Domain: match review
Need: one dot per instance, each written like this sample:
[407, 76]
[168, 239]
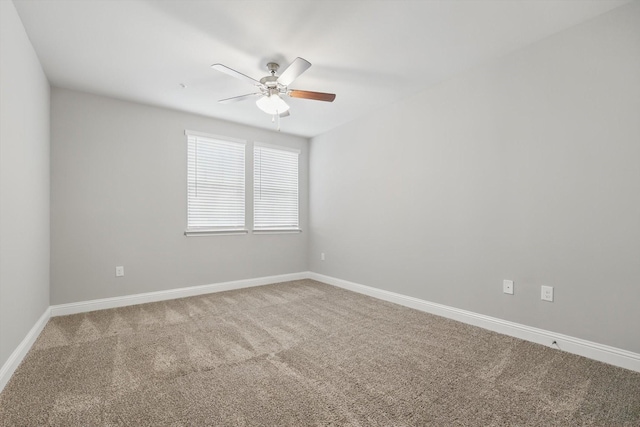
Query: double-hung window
[275, 188]
[215, 184]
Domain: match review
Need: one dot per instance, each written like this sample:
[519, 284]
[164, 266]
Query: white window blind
[215, 184]
[275, 189]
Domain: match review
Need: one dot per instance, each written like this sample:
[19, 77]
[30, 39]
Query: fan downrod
[271, 81]
[273, 67]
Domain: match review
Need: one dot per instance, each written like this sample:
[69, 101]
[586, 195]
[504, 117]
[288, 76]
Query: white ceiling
[370, 53]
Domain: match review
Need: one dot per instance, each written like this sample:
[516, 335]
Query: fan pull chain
[273, 119]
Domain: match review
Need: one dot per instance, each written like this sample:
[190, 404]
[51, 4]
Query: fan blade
[236, 74]
[238, 98]
[318, 96]
[285, 114]
[293, 71]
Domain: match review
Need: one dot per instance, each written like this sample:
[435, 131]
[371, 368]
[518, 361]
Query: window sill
[283, 231]
[202, 233]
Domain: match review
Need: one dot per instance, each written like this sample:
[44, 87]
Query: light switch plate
[507, 286]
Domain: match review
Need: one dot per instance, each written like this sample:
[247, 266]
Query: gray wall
[118, 197]
[527, 168]
[24, 184]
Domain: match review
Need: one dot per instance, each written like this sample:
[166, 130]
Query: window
[215, 184]
[275, 188]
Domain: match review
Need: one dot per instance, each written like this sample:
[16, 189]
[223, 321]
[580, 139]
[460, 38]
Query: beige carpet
[302, 354]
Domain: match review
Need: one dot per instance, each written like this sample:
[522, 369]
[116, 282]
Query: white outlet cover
[547, 293]
[119, 271]
[507, 287]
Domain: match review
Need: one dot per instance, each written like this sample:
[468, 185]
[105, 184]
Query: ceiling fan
[271, 88]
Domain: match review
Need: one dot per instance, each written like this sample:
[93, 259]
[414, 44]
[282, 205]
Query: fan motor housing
[269, 81]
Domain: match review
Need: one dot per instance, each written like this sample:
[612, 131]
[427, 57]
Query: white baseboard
[600, 352]
[23, 348]
[126, 300]
[592, 350]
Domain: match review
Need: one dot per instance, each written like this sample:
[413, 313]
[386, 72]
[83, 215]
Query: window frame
[216, 230]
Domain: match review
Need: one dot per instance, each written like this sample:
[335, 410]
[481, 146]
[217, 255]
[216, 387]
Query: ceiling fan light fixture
[272, 104]
[272, 87]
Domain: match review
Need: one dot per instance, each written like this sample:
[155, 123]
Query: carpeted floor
[302, 353]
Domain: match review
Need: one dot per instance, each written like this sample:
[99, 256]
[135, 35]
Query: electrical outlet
[322, 256]
[119, 271]
[507, 286]
[547, 293]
